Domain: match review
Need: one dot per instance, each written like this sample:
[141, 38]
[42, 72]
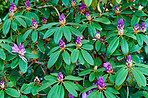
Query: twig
[43, 70]
[106, 6]
[42, 94]
[29, 65]
[127, 90]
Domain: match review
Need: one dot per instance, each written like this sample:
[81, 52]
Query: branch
[106, 6]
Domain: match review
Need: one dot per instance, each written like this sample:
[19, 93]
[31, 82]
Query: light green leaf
[6, 26]
[2, 54]
[12, 92]
[67, 33]
[124, 46]
[66, 57]
[88, 2]
[22, 66]
[58, 35]
[34, 36]
[70, 77]
[102, 20]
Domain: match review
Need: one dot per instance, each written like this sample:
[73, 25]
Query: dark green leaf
[74, 55]
[14, 25]
[98, 45]
[31, 55]
[25, 35]
[50, 31]
[124, 46]
[70, 77]
[67, 33]
[92, 77]
[66, 57]
[6, 26]
[22, 66]
[34, 36]
[102, 20]
[58, 35]
[87, 57]
[2, 54]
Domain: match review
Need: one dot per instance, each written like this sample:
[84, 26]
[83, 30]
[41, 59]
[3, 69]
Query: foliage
[75, 48]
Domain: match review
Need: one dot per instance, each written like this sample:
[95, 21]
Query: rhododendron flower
[97, 36]
[70, 95]
[129, 61]
[82, 8]
[19, 49]
[11, 12]
[143, 27]
[73, 3]
[13, 6]
[117, 9]
[60, 77]
[108, 67]
[100, 83]
[84, 95]
[2, 84]
[34, 24]
[61, 44]
[136, 28]
[28, 7]
[79, 42]
[62, 19]
[44, 20]
[88, 16]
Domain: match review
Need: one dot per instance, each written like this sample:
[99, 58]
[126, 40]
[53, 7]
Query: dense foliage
[74, 48]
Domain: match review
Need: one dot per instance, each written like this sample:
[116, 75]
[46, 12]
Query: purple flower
[2, 84]
[60, 77]
[13, 6]
[129, 61]
[34, 24]
[89, 92]
[120, 24]
[70, 95]
[94, 88]
[73, 3]
[143, 27]
[78, 42]
[11, 12]
[88, 16]
[100, 83]
[108, 67]
[62, 19]
[117, 9]
[61, 44]
[84, 95]
[28, 7]
[97, 36]
[136, 28]
[19, 49]
[44, 20]
[82, 8]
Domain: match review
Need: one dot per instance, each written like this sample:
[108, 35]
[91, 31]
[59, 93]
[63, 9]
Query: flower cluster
[61, 44]
[19, 49]
[100, 83]
[34, 24]
[120, 26]
[78, 42]
[28, 7]
[62, 19]
[129, 62]
[60, 77]
[108, 67]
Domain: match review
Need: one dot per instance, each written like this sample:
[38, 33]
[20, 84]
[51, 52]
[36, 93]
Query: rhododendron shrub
[74, 48]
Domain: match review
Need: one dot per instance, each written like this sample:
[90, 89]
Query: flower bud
[11, 12]
[143, 27]
[60, 77]
[28, 7]
[100, 83]
[129, 62]
[62, 19]
[79, 42]
[120, 24]
[136, 28]
[2, 84]
[95, 68]
[13, 6]
[97, 35]
[34, 24]
[73, 3]
[117, 10]
[88, 16]
[82, 8]
[61, 44]
[44, 20]
[108, 67]
[70, 95]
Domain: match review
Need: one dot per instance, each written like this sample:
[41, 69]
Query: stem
[106, 6]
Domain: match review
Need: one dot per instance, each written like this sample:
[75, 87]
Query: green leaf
[2, 55]
[12, 92]
[118, 1]
[87, 71]
[89, 88]
[139, 39]
[55, 2]
[143, 70]
[6, 26]
[19, 39]
[102, 20]
[145, 38]
[88, 2]
[34, 90]
[112, 90]
[70, 88]
[74, 55]
[53, 59]
[139, 77]
[121, 76]
[81, 60]
[92, 77]
[31, 55]
[66, 57]
[65, 2]
[135, 48]
[145, 94]
[41, 46]
[60, 92]
[25, 35]
[2, 94]
[140, 13]
[47, 84]
[134, 20]
[49, 32]
[87, 47]
[98, 45]
[1, 65]
[22, 66]
[48, 25]
[109, 94]
[75, 31]
[6, 47]
[69, 69]
[53, 92]
[130, 35]
[87, 57]
[124, 46]
[112, 46]
[74, 78]
[67, 33]
[14, 63]
[94, 94]
[14, 25]
[58, 35]
[21, 21]
[91, 30]
[34, 36]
